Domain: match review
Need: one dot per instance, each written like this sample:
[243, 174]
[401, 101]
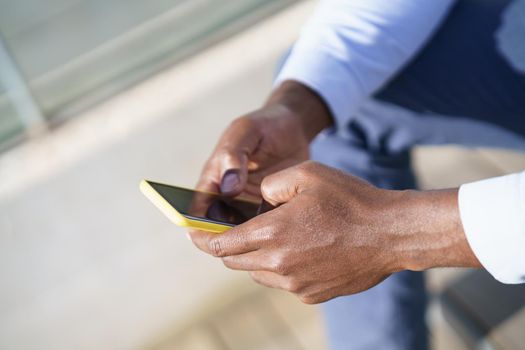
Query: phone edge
[173, 215]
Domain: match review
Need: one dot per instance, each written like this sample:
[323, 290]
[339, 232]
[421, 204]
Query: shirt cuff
[328, 76]
[493, 216]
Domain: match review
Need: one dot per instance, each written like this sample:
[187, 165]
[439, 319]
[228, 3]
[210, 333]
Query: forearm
[304, 104]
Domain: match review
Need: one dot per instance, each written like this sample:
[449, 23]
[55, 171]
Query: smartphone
[199, 210]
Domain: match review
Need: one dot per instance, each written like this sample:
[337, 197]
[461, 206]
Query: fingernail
[188, 237]
[230, 180]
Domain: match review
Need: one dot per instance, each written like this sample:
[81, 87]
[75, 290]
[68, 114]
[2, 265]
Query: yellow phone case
[176, 217]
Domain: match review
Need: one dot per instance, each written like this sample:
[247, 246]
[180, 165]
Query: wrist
[304, 104]
[433, 235]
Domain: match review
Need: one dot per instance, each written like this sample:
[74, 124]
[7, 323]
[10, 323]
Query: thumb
[234, 170]
[234, 149]
[283, 186]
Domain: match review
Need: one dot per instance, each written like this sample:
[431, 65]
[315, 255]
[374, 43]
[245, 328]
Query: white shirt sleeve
[493, 216]
[350, 48]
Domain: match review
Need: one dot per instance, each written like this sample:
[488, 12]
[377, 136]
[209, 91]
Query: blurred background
[96, 95]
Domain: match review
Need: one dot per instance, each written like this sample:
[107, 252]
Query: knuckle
[304, 170]
[310, 164]
[214, 247]
[282, 269]
[226, 154]
[293, 286]
[279, 265]
[270, 234]
[245, 122]
[273, 266]
[272, 230]
[308, 169]
[308, 299]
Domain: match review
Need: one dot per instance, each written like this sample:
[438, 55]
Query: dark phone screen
[206, 206]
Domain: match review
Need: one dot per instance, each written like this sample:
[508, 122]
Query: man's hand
[265, 141]
[333, 234]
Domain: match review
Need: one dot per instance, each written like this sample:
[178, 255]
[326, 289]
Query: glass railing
[74, 53]
[11, 126]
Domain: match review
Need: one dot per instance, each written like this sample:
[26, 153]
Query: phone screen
[207, 207]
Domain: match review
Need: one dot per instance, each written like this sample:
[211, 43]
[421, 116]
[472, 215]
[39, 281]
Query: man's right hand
[265, 141]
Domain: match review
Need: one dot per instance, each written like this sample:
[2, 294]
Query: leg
[392, 314]
[388, 316]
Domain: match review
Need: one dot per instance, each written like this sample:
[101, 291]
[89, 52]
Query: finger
[200, 239]
[274, 280]
[235, 241]
[257, 176]
[253, 261]
[232, 152]
[235, 147]
[284, 185]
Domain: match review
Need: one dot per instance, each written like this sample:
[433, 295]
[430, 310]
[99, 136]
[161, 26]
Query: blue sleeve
[350, 48]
